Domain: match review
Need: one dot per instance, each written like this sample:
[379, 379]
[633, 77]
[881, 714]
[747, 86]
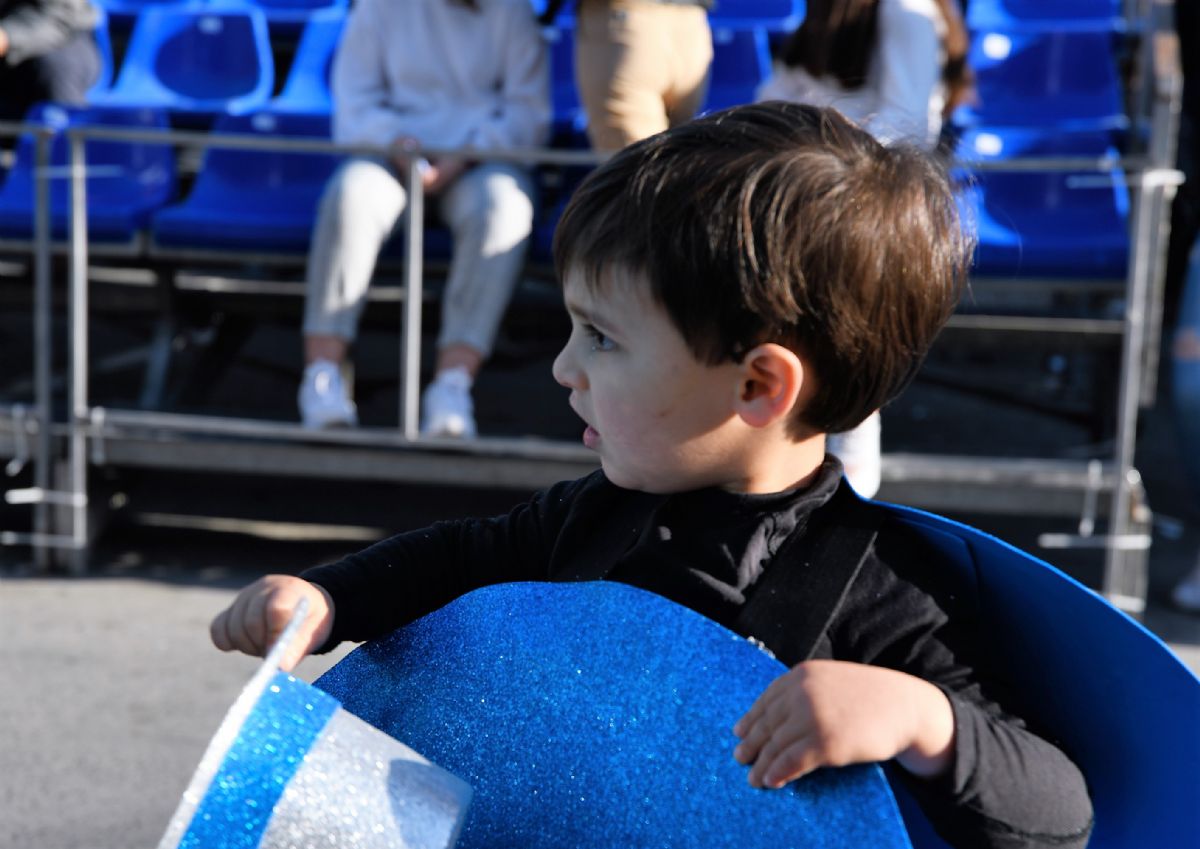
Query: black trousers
[63, 75]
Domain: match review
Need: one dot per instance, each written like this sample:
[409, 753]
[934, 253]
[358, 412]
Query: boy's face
[661, 420]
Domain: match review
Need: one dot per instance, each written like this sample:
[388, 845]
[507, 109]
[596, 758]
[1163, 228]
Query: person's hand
[442, 172]
[262, 610]
[832, 713]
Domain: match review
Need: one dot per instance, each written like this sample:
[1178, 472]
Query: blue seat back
[598, 714]
[1045, 15]
[104, 48]
[772, 15]
[307, 87]
[1061, 80]
[126, 179]
[741, 61]
[1058, 223]
[266, 180]
[1120, 702]
[197, 58]
[569, 119]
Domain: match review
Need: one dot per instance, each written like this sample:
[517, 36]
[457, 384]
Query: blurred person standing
[641, 66]
[47, 53]
[898, 69]
[436, 74]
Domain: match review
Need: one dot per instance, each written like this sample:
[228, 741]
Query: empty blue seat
[569, 122]
[1045, 15]
[104, 48]
[124, 12]
[772, 15]
[1059, 224]
[197, 61]
[261, 201]
[292, 16]
[1064, 81]
[307, 87]
[741, 61]
[126, 181]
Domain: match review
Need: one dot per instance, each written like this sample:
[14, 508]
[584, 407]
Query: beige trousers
[640, 67]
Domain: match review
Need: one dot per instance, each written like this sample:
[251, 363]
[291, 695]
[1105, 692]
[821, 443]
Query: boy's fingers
[797, 759]
[218, 630]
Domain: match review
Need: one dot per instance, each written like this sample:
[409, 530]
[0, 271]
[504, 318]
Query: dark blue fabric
[598, 714]
[1120, 703]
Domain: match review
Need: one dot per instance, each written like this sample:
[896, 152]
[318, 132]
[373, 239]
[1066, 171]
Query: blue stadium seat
[741, 61]
[779, 16]
[1057, 81]
[197, 61]
[123, 13]
[290, 17]
[126, 181]
[258, 201]
[307, 87]
[569, 120]
[1045, 15]
[104, 47]
[1057, 224]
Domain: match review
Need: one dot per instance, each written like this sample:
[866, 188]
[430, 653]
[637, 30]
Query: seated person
[48, 52]
[726, 281]
[438, 74]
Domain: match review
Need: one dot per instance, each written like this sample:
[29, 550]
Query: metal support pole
[43, 350]
[410, 352]
[79, 419]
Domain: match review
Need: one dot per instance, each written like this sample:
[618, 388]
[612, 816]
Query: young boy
[738, 287]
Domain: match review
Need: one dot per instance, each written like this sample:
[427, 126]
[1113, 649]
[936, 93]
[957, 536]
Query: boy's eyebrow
[582, 312]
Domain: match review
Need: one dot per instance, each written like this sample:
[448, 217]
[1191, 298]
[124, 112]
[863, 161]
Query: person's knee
[498, 201]
[362, 190]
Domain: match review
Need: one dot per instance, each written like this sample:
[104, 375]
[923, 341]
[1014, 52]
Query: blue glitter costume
[707, 550]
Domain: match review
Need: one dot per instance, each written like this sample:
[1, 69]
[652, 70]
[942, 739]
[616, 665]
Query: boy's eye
[600, 342]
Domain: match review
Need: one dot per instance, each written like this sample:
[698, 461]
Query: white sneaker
[446, 407]
[861, 456]
[324, 398]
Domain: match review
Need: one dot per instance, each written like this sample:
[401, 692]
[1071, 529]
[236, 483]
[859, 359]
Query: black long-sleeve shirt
[706, 550]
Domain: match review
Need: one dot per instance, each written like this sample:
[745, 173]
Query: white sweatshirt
[443, 74]
[903, 95]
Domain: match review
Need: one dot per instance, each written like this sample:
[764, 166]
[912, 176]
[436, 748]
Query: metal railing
[94, 435]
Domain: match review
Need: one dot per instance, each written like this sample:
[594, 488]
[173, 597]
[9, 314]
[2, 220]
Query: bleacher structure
[207, 146]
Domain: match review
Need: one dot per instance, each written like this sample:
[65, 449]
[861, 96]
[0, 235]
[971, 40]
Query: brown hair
[837, 39]
[781, 222]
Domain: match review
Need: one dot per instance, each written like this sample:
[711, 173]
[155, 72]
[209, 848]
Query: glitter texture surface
[265, 755]
[597, 714]
[360, 789]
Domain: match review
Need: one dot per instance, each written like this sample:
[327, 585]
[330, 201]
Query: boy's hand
[262, 610]
[832, 713]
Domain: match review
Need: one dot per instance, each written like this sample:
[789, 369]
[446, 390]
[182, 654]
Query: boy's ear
[770, 383]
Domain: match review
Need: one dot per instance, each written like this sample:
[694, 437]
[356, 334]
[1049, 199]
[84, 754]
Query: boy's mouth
[591, 437]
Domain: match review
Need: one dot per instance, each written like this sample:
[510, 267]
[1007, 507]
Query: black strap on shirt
[795, 600]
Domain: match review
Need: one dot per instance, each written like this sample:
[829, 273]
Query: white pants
[489, 211]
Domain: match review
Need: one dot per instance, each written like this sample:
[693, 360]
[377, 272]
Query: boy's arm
[410, 574]
[399, 579]
[1006, 786]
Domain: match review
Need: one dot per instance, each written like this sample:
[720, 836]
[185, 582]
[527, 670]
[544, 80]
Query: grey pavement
[110, 690]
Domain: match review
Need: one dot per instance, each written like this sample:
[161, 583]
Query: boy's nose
[565, 371]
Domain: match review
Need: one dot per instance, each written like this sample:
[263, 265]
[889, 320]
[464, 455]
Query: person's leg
[490, 212]
[622, 70]
[358, 211]
[65, 74]
[687, 31]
